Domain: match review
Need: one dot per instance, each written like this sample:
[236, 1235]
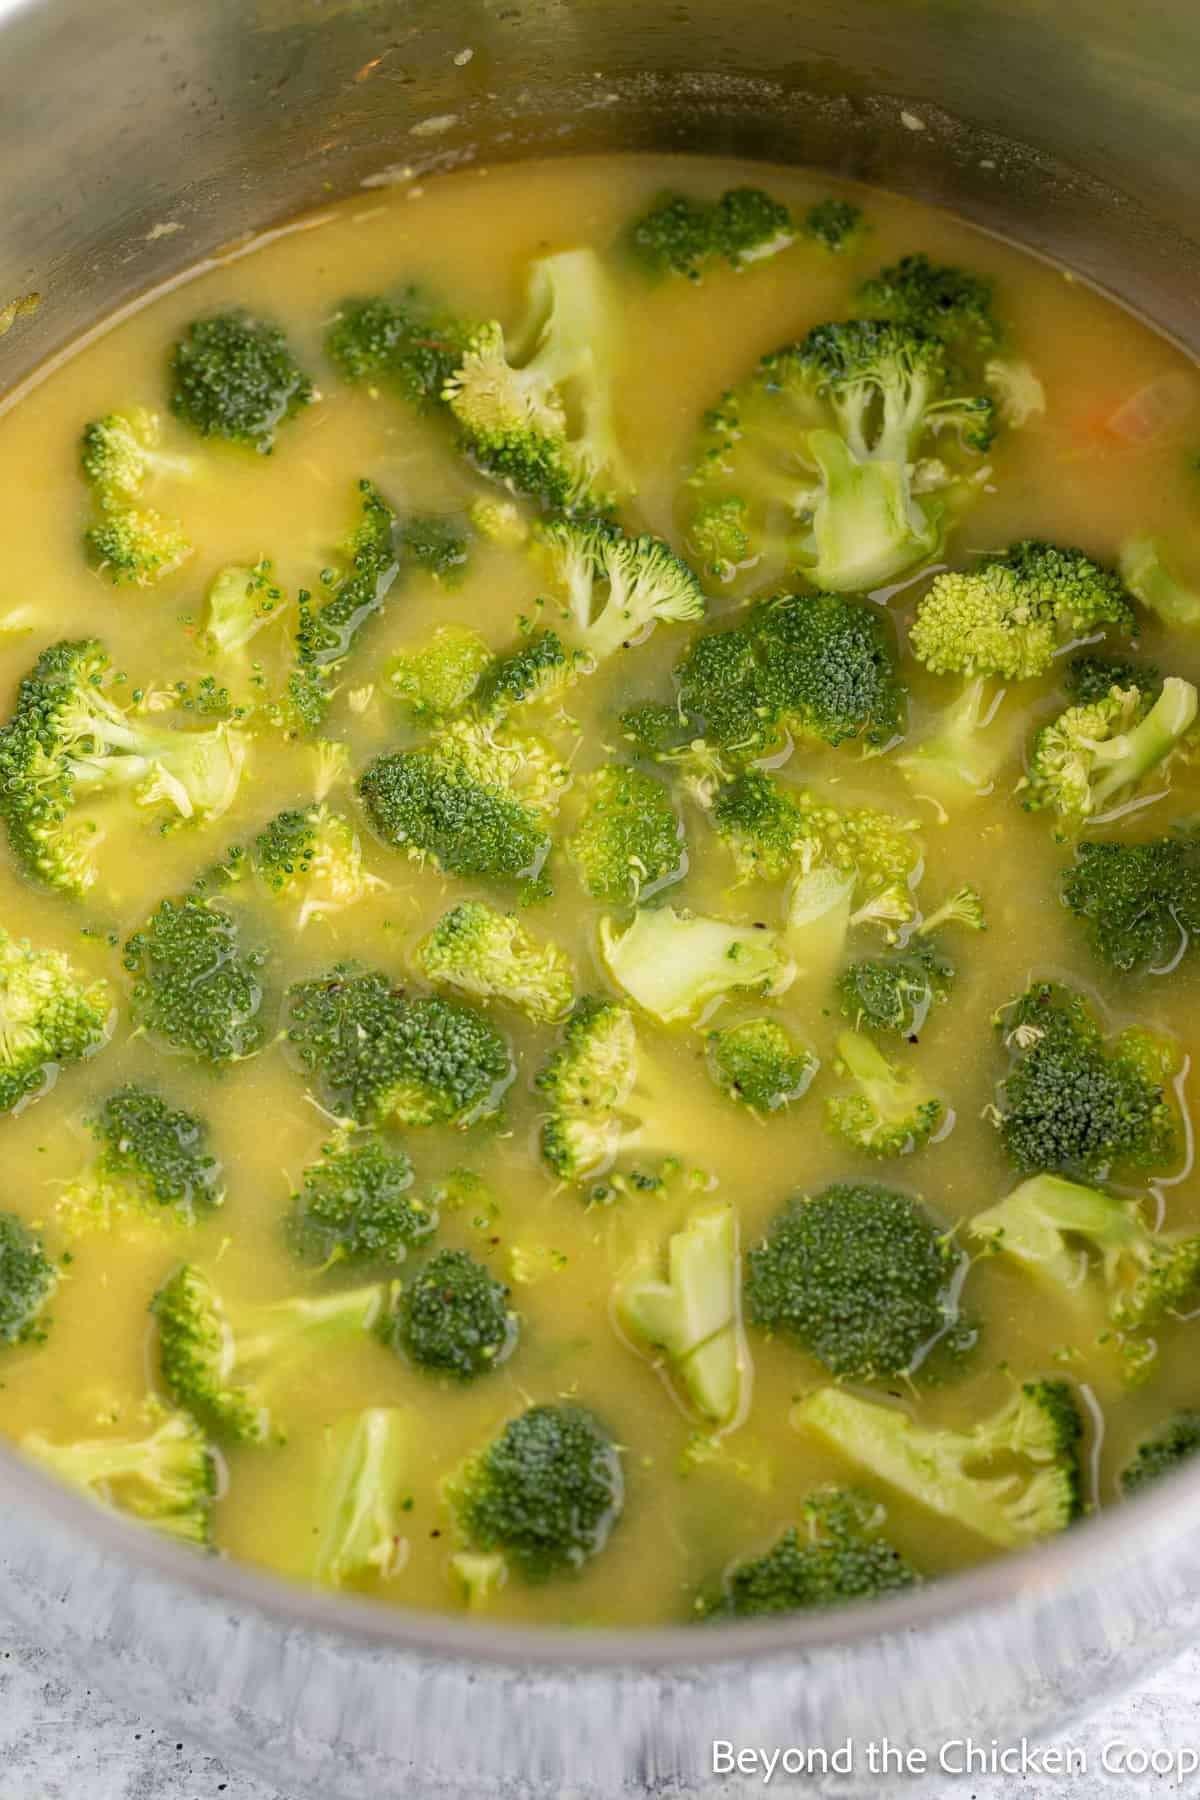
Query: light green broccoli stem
[958, 758]
[360, 1506]
[673, 963]
[478, 1576]
[693, 1316]
[1151, 581]
[166, 1479]
[867, 528]
[963, 907]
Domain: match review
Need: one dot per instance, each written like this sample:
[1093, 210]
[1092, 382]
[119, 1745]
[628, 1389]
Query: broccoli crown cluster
[1073, 1103]
[821, 667]
[128, 539]
[681, 236]
[888, 1111]
[941, 300]
[1137, 903]
[837, 1554]
[1096, 754]
[356, 1205]
[546, 1493]
[837, 225]
[408, 344]
[382, 1055]
[760, 1064]
[895, 994]
[627, 843]
[194, 983]
[27, 1280]
[453, 1318]
[235, 377]
[862, 1278]
[50, 1018]
[152, 1155]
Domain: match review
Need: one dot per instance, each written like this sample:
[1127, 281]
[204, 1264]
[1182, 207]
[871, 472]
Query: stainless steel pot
[1072, 124]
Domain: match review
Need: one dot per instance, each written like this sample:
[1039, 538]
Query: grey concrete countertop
[61, 1740]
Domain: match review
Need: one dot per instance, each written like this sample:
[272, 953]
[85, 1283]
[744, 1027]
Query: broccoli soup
[597, 895]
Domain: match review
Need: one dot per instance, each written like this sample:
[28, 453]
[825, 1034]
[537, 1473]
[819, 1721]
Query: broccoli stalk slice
[957, 759]
[220, 1363]
[673, 964]
[891, 1112]
[1146, 1274]
[48, 1019]
[166, 1479]
[360, 1501]
[1032, 1443]
[1150, 579]
[491, 955]
[692, 1315]
[867, 527]
[478, 1577]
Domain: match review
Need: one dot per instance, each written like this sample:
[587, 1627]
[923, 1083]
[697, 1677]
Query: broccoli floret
[490, 954]
[1146, 1273]
[628, 842]
[453, 1318]
[27, 1280]
[837, 1554]
[1011, 614]
[383, 1056]
[436, 679]
[890, 1111]
[357, 1206]
[313, 859]
[194, 983]
[681, 236]
[895, 994]
[1175, 1442]
[472, 799]
[68, 744]
[760, 1064]
[546, 1493]
[435, 544]
[1139, 904]
[692, 1315]
[946, 302]
[957, 756]
[540, 668]
[234, 377]
[820, 668]
[1012, 1479]
[410, 344]
[673, 963]
[1093, 756]
[651, 728]
[1089, 677]
[240, 601]
[825, 448]
[219, 1362]
[587, 1082]
[48, 1018]
[167, 1479]
[864, 1279]
[616, 588]
[534, 405]
[1150, 579]
[477, 1578]
[152, 1157]
[1018, 390]
[361, 1498]
[837, 225]
[1074, 1104]
[129, 540]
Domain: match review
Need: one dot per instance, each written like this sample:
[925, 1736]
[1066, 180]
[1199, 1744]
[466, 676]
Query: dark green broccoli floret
[652, 727]
[453, 1318]
[1012, 1479]
[408, 344]
[233, 376]
[1146, 1273]
[895, 994]
[167, 1479]
[490, 954]
[1075, 1104]
[472, 801]
[538, 669]
[821, 668]
[1011, 614]
[615, 587]
[27, 1280]
[434, 543]
[534, 405]
[48, 1017]
[194, 982]
[363, 1500]
[219, 1362]
[836, 225]
[946, 302]
[837, 1554]
[313, 859]
[760, 1064]
[382, 1055]
[1088, 677]
[864, 1279]
[628, 841]
[546, 1492]
[69, 744]
[1095, 754]
[682, 235]
[356, 1205]
[1139, 904]
[1175, 1442]
[151, 1156]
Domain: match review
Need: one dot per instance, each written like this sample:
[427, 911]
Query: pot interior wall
[137, 140]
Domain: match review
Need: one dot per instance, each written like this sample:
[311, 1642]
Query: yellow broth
[470, 238]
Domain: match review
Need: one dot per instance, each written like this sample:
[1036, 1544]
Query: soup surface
[1097, 428]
